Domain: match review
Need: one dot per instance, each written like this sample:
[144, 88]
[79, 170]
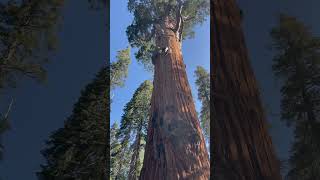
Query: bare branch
[9, 109]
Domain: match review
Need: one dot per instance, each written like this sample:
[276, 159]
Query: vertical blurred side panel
[242, 148]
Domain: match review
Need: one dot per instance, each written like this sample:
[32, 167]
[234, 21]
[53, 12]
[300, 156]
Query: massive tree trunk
[175, 146]
[242, 148]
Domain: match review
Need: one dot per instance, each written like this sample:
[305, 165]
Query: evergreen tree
[119, 68]
[297, 64]
[133, 131]
[115, 147]
[78, 150]
[27, 30]
[203, 83]
[175, 147]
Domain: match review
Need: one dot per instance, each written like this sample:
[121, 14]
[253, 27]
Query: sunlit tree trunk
[242, 148]
[175, 147]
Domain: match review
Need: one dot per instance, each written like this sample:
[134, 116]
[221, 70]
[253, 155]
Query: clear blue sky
[195, 52]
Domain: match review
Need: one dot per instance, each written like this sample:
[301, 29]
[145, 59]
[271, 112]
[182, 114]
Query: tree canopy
[78, 150]
[203, 84]
[119, 68]
[297, 64]
[27, 34]
[150, 13]
[132, 134]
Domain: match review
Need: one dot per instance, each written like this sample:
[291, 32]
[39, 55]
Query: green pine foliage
[149, 13]
[119, 68]
[115, 147]
[129, 142]
[27, 35]
[297, 65]
[203, 84]
[78, 150]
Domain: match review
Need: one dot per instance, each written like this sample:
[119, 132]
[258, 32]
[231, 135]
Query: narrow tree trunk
[175, 146]
[122, 160]
[242, 147]
[135, 156]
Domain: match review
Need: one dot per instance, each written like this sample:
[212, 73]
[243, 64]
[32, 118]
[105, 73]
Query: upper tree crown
[183, 15]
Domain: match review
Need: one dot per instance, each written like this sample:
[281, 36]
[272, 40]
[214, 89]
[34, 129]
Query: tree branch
[188, 18]
[179, 21]
[178, 16]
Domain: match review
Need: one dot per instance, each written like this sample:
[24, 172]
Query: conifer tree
[175, 146]
[203, 83]
[27, 30]
[115, 148]
[133, 131]
[297, 64]
[119, 68]
[78, 150]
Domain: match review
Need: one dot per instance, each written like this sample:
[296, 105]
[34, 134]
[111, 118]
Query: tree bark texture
[175, 147]
[242, 148]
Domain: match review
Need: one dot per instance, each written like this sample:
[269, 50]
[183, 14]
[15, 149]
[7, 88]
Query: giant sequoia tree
[297, 64]
[175, 147]
[242, 147]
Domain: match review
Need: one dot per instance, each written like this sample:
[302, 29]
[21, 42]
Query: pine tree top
[150, 13]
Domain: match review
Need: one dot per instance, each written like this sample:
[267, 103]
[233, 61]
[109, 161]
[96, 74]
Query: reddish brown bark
[242, 148]
[175, 146]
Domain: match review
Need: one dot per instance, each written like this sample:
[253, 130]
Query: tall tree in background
[175, 146]
[27, 31]
[297, 64]
[242, 147]
[203, 83]
[118, 74]
[78, 150]
[115, 148]
[119, 68]
[27, 35]
[133, 129]
[139, 108]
